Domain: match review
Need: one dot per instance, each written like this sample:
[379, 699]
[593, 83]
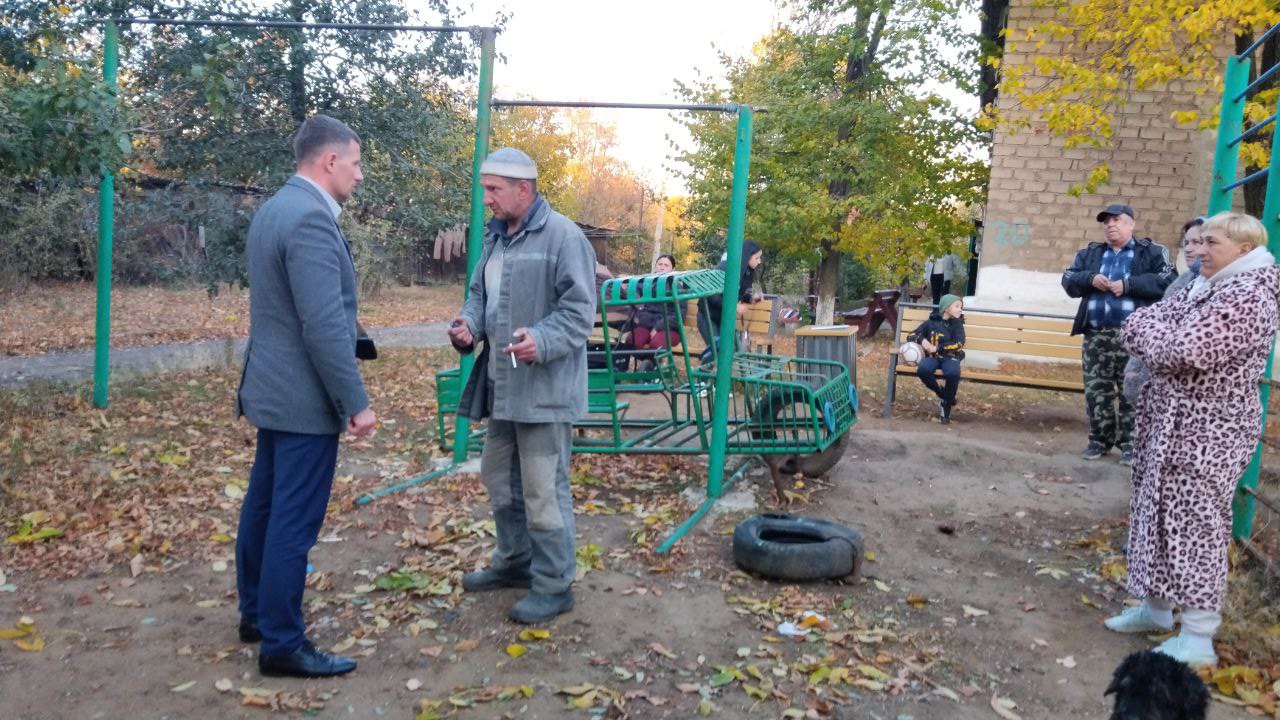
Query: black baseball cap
[1116, 209]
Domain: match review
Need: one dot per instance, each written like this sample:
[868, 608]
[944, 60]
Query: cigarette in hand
[513, 360]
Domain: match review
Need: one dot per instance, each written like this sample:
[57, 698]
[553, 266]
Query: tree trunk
[828, 281]
[857, 65]
[995, 16]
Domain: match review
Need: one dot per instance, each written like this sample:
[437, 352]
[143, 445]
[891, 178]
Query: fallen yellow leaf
[35, 643]
[515, 650]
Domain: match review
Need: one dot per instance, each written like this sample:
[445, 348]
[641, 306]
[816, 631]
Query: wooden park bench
[1032, 335]
[761, 325]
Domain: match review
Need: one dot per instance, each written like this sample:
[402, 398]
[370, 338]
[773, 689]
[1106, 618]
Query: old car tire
[815, 465]
[811, 465]
[790, 547]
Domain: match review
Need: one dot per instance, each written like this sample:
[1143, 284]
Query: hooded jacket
[745, 279]
[947, 335]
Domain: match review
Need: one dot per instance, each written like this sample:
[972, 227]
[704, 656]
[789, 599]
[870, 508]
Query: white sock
[1200, 623]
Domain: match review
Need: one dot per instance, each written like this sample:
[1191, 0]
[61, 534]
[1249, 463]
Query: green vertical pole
[729, 308]
[475, 234]
[1230, 125]
[1242, 508]
[106, 213]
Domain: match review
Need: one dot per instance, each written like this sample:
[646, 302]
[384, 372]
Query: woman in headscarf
[1198, 424]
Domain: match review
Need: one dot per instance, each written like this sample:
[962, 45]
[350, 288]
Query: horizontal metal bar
[727, 108]
[295, 24]
[1247, 133]
[1261, 79]
[1258, 43]
[1051, 316]
[1246, 180]
[418, 480]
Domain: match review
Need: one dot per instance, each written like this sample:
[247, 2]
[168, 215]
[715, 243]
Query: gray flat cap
[509, 163]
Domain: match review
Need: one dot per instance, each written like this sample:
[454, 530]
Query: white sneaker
[1136, 620]
[1194, 650]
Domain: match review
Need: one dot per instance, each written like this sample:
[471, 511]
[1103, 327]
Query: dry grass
[50, 317]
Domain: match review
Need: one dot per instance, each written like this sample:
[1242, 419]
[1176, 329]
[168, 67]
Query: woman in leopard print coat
[1198, 423]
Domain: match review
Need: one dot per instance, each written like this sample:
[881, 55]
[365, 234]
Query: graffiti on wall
[1017, 232]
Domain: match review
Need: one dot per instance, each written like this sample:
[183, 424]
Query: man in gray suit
[532, 305]
[301, 388]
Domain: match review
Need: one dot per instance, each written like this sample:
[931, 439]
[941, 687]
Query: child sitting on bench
[942, 337]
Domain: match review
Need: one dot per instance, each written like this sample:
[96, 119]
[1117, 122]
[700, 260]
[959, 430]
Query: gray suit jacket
[300, 371]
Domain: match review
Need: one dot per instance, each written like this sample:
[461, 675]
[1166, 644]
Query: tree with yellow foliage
[1105, 50]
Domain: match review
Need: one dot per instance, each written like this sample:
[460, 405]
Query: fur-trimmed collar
[1255, 259]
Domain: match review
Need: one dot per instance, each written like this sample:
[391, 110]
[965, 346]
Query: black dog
[1153, 686]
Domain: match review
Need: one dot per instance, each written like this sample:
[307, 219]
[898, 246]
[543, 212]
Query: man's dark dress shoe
[305, 662]
[249, 632]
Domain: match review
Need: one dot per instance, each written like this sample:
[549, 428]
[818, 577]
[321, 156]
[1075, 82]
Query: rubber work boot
[1138, 620]
[539, 607]
[494, 579]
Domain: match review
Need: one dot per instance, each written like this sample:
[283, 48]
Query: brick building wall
[1033, 227]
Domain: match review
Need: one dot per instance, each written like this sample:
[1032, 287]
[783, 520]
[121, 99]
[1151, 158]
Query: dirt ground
[989, 544]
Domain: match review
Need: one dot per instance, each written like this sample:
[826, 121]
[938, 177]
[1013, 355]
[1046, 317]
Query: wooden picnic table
[882, 307]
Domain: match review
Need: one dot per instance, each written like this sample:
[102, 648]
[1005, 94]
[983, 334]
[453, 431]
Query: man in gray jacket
[532, 304]
[301, 388]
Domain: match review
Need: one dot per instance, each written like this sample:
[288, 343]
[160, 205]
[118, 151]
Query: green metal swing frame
[1231, 135]
[820, 403]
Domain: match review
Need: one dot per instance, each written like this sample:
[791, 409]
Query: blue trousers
[950, 372]
[279, 523]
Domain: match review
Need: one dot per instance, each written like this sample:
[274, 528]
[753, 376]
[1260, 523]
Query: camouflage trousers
[1110, 414]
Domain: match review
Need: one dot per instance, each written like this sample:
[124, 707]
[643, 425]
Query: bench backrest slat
[1009, 334]
[1016, 348]
[760, 318]
[1039, 337]
[1017, 322]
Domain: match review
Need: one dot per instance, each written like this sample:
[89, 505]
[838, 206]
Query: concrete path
[70, 367]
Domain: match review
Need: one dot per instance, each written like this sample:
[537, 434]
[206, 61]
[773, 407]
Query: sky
[612, 51]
